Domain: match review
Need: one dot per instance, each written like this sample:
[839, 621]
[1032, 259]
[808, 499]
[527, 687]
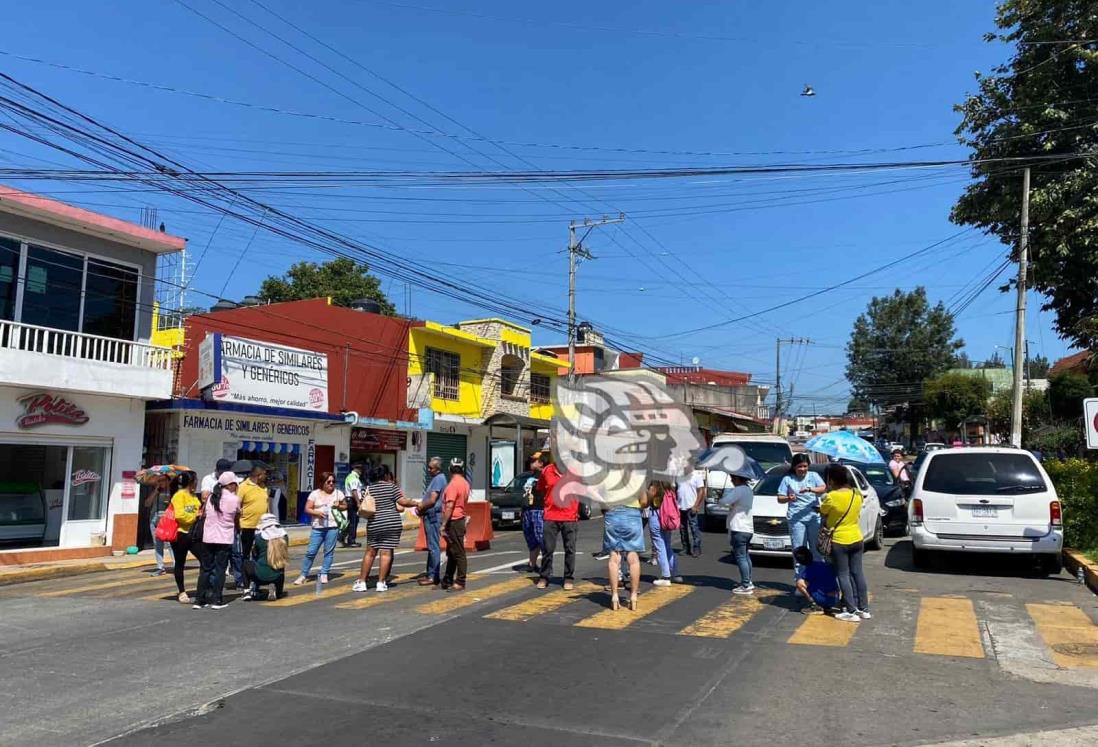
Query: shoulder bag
[368, 507]
[167, 528]
[826, 535]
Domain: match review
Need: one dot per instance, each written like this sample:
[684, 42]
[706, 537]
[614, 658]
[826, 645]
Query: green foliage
[962, 361]
[1038, 367]
[342, 279]
[995, 361]
[1066, 392]
[857, 405]
[956, 397]
[899, 342]
[1049, 439]
[1035, 412]
[1076, 482]
[1041, 103]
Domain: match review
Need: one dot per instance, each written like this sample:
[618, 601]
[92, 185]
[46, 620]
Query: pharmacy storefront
[67, 460]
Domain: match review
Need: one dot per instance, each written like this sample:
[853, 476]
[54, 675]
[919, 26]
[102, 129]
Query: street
[974, 648]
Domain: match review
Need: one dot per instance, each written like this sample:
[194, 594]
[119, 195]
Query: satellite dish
[695, 360]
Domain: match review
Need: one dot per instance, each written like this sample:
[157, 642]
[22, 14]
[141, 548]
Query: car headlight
[896, 503]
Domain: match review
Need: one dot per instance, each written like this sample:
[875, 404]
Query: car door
[870, 503]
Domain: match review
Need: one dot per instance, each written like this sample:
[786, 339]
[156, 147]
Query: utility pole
[576, 251]
[778, 377]
[1020, 318]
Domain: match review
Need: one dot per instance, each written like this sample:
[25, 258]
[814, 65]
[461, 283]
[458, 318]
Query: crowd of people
[227, 526]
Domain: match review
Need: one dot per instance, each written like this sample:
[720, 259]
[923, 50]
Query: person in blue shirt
[816, 582]
[800, 490]
[430, 511]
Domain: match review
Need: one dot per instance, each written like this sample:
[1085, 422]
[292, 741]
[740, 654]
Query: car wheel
[1052, 565]
[921, 558]
[877, 541]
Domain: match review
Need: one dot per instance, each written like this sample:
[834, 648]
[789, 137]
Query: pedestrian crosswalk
[958, 626]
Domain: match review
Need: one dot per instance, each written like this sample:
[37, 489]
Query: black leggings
[848, 567]
[180, 548]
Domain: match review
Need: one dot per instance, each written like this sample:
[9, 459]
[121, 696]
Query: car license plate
[985, 512]
[508, 515]
[773, 544]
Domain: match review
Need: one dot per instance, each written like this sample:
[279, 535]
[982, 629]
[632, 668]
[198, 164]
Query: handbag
[167, 529]
[368, 507]
[826, 536]
[339, 516]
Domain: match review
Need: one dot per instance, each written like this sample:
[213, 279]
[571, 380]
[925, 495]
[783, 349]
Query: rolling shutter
[446, 446]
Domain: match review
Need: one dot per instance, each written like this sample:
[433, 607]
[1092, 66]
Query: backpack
[669, 512]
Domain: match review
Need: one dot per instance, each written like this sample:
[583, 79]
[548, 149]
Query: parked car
[508, 501]
[772, 530]
[765, 448]
[934, 446]
[986, 500]
[889, 493]
[22, 512]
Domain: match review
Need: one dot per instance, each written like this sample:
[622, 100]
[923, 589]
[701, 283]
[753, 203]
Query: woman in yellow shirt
[186, 506]
[840, 510]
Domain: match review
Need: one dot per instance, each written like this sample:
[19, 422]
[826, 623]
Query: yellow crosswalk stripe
[546, 602]
[1068, 632]
[405, 591]
[117, 583]
[647, 603]
[457, 601]
[823, 630]
[948, 627]
[306, 594]
[729, 617]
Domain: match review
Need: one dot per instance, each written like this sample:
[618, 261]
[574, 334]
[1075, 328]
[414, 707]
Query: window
[9, 270]
[540, 385]
[983, 474]
[88, 482]
[446, 367]
[110, 300]
[51, 293]
[510, 376]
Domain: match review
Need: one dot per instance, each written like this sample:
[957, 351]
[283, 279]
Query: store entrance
[32, 494]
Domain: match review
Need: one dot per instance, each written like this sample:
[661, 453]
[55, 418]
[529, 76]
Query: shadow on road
[899, 558]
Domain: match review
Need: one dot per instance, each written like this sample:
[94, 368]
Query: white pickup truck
[765, 448]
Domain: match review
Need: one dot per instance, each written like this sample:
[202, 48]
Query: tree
[962, 361]
[955, 397]
[1041, 103]
[995, 361]
[857, 406]
[897, 344]
[1035, 412]
[1066, 392]
[1038, 367]
[344, 280]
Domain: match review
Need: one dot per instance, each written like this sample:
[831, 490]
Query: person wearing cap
[533, 513]
[452, 526]
[561, 519]
[352, 490]
[267, 565]
[222, 514]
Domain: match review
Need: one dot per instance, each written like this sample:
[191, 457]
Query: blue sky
[622, 79]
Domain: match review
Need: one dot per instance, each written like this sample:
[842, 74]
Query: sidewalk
[16, 574]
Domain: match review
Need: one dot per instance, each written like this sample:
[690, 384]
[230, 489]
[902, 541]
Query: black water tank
[224, 305]
[366, 304]
[581, 331]
[251, 301]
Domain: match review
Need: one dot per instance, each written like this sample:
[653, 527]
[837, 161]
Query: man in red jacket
[559, 520]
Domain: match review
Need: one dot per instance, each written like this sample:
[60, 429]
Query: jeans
[180, 548]
[434, 553]
[690, 532]
[317, 537]
[456, 564]
[661, 546]
[802, 533]
[847, 560]
[740, 541]
[158, 545]
[236, 562]
[211, 580]
[569, 530]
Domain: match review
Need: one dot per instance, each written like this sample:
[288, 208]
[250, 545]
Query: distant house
[1002, 379]
[1074, 363]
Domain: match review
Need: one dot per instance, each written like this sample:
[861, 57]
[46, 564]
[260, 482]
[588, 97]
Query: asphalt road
[971, 649]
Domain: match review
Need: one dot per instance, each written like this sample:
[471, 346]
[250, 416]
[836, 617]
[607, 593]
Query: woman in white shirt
[739, 500]
[325, 531]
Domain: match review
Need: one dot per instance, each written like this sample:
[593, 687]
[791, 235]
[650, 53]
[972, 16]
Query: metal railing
[65, 344]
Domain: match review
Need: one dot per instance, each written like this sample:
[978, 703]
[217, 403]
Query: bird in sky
[808, 91]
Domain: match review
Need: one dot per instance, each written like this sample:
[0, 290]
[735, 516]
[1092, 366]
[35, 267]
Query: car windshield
[767, 454]
[879, 475]
[517, 484]
[769, 484]
[983, 474]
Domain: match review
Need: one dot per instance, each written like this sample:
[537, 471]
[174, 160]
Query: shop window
[88, 482]
[446, 367]
[510, 376]
[540, 385]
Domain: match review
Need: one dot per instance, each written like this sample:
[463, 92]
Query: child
[816, 582]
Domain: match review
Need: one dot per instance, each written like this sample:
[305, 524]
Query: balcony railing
[64, 344]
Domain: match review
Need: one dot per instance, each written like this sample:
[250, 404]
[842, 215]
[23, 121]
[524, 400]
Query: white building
[76, 368]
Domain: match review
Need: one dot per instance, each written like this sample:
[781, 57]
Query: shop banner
[248, 427]
[375, 439]
[236, 369]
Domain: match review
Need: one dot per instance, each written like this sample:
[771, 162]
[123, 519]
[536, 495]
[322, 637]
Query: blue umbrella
[730, 459]
[845, 445]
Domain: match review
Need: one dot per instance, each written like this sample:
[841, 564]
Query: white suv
[989, 500]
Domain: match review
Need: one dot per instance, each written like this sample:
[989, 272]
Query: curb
[1073, 560]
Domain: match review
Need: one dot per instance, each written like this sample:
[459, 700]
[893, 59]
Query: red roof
[698, 375]
[1075, 362]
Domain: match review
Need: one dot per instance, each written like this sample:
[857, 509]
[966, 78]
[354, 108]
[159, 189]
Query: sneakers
[359, 586]
[197, 606]
[300, 581]
[846, 616]
[662, 582]
[812, 609]
[272, 595]
[218, 606]
[601, 556]
[654, 561]
[381, 586]
[744, 589]
[247, 596]
[158, 572]
[678, 579]
[864, 614]
[323, 578]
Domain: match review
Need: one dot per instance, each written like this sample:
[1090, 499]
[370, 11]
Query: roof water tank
[366, 304]
[224, 305]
